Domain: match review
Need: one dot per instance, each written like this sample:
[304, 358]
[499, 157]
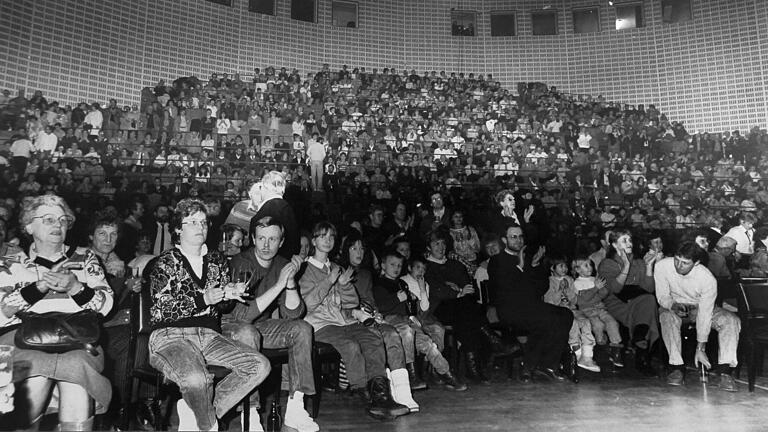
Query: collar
[33, 252]
[435, 260]
[315, 262]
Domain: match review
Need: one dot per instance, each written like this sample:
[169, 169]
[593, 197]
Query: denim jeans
[296, 335]
[581, 331]
[361, 349]
[726, 323]
[182, 355]
[418, 340]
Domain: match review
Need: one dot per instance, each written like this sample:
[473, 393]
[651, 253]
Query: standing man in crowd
[686, 292]
[316, 154]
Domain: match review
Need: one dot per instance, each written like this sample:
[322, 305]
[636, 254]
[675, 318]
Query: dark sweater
[385, 292]
[264, 279]
[438, 274]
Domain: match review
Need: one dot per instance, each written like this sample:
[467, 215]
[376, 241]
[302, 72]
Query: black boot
[498, 346]
[474, 369]
[416, 382]
[450, 382]
[571, 366]
[382, 405]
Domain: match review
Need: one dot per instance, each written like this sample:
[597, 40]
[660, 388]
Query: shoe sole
[591, 369]
[456, 389]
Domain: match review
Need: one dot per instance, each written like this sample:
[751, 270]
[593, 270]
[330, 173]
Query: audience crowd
[369, 210]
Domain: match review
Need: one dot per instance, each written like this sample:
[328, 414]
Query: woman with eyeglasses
[189, 286]
[54, 277]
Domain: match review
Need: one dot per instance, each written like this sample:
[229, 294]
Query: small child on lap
[562, 293]
[590, 292]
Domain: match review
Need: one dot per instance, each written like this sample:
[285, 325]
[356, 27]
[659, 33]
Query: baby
[561, 293]
[590, 292]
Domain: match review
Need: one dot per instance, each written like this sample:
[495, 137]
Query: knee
[728, 320]
[247, 335]
[193, 379]
[301, 330]
[667, 318]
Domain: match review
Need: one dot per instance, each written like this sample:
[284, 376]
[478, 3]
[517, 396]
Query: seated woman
[453, 302]
[187, 283]
[54, 278]
[631, 300]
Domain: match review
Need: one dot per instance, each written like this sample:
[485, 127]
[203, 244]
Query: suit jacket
[429, 222]
[516, 293]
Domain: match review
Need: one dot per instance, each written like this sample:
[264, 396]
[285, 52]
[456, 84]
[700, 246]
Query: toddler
[562, 293]
[590, 292]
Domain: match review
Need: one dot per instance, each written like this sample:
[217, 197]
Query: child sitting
[561, 293]
[590, 292]
[394, 301]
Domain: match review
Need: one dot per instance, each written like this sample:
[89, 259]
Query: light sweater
[697, 288]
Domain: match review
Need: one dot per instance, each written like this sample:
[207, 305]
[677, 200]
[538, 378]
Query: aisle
[622, 403]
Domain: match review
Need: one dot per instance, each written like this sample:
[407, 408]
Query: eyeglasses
[50, 220]
[202, 223]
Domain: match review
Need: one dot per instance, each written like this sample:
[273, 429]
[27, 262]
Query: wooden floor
[600, 402]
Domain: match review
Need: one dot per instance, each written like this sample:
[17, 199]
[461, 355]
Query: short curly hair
[29, 207]
[184, 208]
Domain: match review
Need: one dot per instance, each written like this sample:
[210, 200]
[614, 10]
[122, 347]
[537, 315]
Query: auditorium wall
[707, 72]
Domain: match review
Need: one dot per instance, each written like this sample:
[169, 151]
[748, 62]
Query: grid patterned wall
[708, 72]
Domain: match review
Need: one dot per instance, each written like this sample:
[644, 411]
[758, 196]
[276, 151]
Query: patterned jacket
[19, 275]
[177, 293]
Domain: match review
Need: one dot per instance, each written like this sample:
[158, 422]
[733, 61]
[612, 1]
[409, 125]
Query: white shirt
[743, 239]
[698, 288]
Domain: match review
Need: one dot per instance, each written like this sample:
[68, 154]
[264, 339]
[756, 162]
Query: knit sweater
[177, 293]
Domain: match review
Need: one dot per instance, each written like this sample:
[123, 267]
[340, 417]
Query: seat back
[753, 297]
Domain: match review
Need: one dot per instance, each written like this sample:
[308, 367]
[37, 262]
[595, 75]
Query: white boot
[296, 417]
[254, 421]
[401, 389]
[585, 359]
[187, 418]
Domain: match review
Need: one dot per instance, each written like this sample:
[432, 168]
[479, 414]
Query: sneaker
[588, 363]
[676, 377]
[727, 383]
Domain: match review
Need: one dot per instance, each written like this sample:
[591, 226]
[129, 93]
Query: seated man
[517, 286]
[326, 290]
[186, 283]
[272, 278]
[686, 292]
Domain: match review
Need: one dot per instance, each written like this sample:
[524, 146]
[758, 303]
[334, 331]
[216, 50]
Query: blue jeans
[296, 335]
[182, 355]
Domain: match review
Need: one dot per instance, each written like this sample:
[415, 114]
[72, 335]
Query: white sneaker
[296, 417]
[187, 419]
[254, 421]
[588, 363]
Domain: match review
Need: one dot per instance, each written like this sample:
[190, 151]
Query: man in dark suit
[517, 286]
[157, 230]
[273, 188]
